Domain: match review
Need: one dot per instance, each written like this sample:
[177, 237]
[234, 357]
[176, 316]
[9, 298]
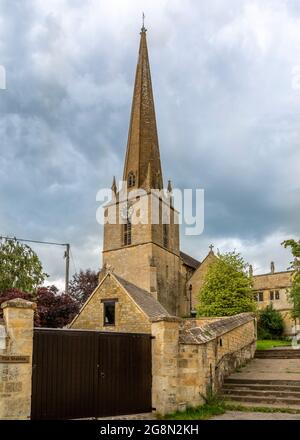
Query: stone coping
[19, 303]
[207, 332]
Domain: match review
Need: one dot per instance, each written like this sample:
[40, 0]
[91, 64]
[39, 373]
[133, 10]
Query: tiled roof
[190, 334]
[189, 261]
[150, 306]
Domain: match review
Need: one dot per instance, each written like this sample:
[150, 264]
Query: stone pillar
[165, 352]
[16, 360]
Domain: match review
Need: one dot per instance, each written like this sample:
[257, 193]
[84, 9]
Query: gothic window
[165, 236]
[127, 233]
[131, 179]
[109, 311]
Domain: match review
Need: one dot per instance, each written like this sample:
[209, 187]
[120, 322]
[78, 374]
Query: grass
[266, 344]
[203, 412]
[208, 411]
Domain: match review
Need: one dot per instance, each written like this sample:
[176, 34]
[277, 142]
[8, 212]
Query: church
[144, 274]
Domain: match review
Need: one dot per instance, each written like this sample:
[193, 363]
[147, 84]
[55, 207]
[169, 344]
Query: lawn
[203, 412]
[267, 344]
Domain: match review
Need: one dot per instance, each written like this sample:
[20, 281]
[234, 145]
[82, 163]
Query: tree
[294, 294]
[270, 323]
[83, 284]
[227, 288]
[54, 309]
[20, 267]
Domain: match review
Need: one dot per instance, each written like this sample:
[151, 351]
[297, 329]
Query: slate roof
[190, 334]
[150, 306]
[189, 261]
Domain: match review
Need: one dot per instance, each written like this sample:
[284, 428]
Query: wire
[32, 241]
[72, 258]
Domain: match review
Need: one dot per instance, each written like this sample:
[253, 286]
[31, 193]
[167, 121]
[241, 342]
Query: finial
[211, 247]
[272, 267]
[143, 21]
[170, 189]
[114, 185]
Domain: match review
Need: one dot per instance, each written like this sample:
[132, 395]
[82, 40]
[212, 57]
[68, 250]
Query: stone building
[273, 288]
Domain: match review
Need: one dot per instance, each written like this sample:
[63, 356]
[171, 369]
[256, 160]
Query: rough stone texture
[198, 277]
[134, 308]
[15, 379]
[185, 369]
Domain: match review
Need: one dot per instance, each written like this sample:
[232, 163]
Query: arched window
[131, 179]
[127, 233]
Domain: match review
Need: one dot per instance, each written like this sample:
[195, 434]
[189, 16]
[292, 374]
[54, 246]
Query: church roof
[142, 155]
[144, 299]
[189, 261]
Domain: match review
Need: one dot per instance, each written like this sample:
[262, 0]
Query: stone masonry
[16, 360]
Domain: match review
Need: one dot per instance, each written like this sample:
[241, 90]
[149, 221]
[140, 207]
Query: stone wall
[190, 359]
[16, 360]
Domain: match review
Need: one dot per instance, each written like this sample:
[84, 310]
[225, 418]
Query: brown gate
[82, 374]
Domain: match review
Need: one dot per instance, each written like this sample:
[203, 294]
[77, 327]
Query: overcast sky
[227, 100]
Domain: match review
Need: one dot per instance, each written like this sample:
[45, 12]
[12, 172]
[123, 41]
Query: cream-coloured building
[273, 288]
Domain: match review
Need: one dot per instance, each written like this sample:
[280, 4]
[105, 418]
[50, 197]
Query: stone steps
[262, 392]
[277, 354]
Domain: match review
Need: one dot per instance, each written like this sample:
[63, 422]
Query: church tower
[145, 253]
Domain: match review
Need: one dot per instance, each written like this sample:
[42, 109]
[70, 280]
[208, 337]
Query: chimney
[251, 270]
[272, 267]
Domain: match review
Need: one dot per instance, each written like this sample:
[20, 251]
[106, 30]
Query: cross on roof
[211, 247]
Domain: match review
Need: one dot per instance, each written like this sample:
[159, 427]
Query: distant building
[273, 288]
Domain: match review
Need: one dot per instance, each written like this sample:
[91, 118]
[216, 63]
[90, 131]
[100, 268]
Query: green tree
[294, 294]
[270, 323]
[227, 288]
[20, 267]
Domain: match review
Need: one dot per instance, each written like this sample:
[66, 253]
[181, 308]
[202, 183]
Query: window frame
[105, 302]
[127, 233]
[131, 179]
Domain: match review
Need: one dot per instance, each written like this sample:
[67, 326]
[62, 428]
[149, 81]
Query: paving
[240, 415]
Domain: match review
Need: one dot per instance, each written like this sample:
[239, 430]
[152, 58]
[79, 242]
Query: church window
[127, 233]
[109, 311]
[165, 236]
[131, 179]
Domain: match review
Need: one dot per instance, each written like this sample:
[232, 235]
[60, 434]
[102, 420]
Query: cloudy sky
[226, 78]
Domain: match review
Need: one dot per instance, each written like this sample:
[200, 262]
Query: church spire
[142, 162]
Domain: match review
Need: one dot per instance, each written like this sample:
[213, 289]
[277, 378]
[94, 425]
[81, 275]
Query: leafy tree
[270, 323]
[20, 267]
[53, 308]
[294, 294]
[83, 284]
[227, 288]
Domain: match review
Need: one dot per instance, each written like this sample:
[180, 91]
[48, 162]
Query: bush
[270, 323]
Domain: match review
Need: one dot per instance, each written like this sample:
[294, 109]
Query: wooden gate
[83, 374]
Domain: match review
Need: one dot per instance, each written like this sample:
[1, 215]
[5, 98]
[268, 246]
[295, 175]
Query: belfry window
[127, 233]
[131, 179]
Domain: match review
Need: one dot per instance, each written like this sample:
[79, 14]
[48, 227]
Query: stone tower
[145, 253]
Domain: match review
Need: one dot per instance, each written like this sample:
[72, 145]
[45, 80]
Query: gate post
[165, 351]
[16, 360]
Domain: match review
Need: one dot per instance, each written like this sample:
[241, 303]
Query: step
[273, 356]
[295, 408]
[262, 400]
[262, 381]
[263, 393]
[266, 387]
